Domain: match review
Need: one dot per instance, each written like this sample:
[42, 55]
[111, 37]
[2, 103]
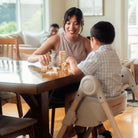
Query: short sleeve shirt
[104, 64]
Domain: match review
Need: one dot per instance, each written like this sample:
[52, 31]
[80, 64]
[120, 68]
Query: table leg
[39, 105]
[45, 114]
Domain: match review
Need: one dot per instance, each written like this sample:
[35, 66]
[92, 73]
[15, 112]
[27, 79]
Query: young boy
[103, 62]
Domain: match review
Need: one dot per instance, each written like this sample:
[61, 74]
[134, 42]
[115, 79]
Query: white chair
[89, 111]
[128, 80]
[128, 76]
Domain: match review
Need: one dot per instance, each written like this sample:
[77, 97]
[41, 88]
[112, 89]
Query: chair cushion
[90, 111]
[12, 124]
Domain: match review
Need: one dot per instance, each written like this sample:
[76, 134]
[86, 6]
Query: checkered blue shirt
[105, 65]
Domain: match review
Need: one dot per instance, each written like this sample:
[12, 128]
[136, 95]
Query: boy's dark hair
[54, 25]
[74, 11]
[103, 31]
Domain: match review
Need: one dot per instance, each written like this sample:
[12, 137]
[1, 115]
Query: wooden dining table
[34, 86]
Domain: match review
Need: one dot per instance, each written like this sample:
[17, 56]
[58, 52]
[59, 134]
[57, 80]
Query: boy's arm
[73, 66]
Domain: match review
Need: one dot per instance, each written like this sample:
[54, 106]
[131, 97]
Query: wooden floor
[128, 121]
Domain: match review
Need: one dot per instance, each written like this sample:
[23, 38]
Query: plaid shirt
[104, 64]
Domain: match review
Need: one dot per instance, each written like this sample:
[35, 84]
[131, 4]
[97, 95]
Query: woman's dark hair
[74, 11]
[103, 31]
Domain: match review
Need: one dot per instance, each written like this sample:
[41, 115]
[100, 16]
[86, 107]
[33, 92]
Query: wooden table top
[25, 77]
[33, 85]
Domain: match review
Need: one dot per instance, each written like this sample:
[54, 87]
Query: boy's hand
[73, 66]
[71, 60]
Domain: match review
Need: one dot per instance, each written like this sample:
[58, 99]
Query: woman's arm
[40, 53]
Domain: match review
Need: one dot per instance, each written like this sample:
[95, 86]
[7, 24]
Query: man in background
[53, 29]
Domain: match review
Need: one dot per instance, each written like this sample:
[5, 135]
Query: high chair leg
[70, 116]
[111, 119]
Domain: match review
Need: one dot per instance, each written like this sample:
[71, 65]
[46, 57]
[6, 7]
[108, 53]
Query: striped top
[75, 49]
[105, 65]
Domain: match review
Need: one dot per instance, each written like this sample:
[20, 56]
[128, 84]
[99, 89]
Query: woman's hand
[44, 60]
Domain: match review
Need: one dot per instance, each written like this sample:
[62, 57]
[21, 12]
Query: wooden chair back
[9, 48]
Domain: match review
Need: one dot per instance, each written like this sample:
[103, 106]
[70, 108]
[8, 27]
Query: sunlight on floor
[127, 122]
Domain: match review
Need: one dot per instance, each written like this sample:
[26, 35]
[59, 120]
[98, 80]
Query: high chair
[129, 64]
[128, 80]
[90, 107]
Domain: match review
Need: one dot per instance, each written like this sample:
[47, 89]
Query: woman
[70, 41]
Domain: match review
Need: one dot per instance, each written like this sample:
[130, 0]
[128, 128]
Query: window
[132, 12]
[132, 28]
[25, 15]
[31, 15]
[8, 18]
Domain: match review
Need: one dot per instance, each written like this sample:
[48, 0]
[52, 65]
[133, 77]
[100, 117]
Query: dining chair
[12, 126]
[53, 104]
[9, 50]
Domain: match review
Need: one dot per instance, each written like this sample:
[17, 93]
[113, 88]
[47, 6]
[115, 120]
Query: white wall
[121, 26]
[57, 10]
[115, 11]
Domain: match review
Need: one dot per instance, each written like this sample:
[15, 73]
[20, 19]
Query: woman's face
[72, 28]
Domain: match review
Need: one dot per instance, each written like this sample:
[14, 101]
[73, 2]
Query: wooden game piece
[62, 55]
[52, 73]
[63, 66]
